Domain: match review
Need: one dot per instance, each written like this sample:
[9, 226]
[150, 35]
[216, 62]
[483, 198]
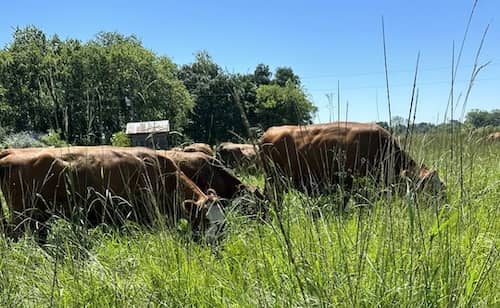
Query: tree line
[86, 91]
[474, 119]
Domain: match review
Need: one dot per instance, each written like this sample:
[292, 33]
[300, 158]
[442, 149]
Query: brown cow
[209, 173]
[237, 154]
[101, 185]
[316, 157]
[493, 137]
[199, 147]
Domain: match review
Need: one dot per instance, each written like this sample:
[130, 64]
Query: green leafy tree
[284, 75]
[23, 69]
[262, 75]
[130, 83]
[277, 105]
[87, 91]
[480, 118]
[218, 114]
[283, 93]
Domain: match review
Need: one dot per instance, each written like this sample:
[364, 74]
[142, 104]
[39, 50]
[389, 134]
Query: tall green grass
[410, 250]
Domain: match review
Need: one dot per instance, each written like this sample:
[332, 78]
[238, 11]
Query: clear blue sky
[323, 41]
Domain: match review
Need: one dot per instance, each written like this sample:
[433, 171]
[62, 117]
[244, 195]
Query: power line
[402, 85]
[337, 76]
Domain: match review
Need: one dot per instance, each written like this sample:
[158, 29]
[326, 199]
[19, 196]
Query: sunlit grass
[404, 251]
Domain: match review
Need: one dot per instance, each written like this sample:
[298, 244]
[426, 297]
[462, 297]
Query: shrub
[53, 138]
[120, 139]
[22, 140]
[3, 134]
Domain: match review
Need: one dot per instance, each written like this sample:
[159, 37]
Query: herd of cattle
[105, 184]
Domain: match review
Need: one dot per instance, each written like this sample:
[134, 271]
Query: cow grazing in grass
[199, 147]
[318, 157]
[102, 185]
[236, 155]
[208, 173]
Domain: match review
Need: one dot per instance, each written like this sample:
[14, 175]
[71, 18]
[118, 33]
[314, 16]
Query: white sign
[148, 127]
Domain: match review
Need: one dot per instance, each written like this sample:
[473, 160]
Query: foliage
[120, 139]
[53, 138]
[482, 121]
[216, 115]
[480, 118]
[262, 75]
[227, 105]
[3, 133]
[86, 90]
[285, 75]
[22, 140]
[279, 105]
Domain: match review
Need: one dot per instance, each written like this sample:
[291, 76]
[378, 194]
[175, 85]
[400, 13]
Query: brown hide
[208, 173]
[199, 147]
[108, 184]
[493, 137]
[237, 154]
[317, 156]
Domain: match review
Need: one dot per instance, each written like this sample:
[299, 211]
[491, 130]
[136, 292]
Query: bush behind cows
[22, 140]
[31, 139]
[53, 138]
[391, 250]
[120, 139]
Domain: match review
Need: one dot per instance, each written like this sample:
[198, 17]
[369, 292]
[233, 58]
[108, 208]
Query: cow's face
[216, 222]
[429, 181]
[207, 216]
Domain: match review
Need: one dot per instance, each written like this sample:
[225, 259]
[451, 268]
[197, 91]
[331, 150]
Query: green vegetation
[229, 106]
[86, 91]
[481, 121]
[31, 140]
[53, 138]
[120, 139]
[20, 140]
[401, 251]
[479, 118]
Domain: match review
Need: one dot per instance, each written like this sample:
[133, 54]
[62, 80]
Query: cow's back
[493, 137]
[206, 171]
[59, 178]
[324, 149]
[199, 147]
[237, 154]
[29, 177]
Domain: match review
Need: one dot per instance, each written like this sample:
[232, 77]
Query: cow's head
[206, 215]
[426, 180]
[429, 181]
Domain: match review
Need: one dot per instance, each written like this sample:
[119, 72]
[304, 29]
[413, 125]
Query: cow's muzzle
[216, 223]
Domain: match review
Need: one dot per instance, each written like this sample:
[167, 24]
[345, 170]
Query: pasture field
[403, 251]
